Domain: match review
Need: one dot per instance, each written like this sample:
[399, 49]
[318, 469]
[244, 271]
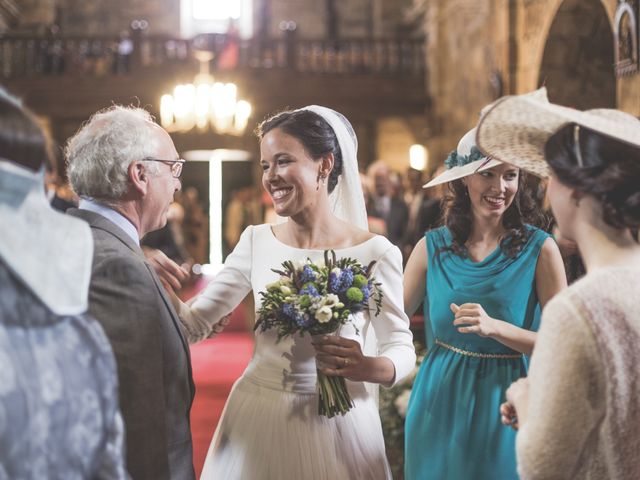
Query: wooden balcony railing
[22, 56]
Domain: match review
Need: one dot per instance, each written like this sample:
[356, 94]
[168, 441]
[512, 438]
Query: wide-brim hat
[465, 160]
[515, 129]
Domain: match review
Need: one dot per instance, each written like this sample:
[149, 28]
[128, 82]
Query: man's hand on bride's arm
[172, 275]
[343, 357]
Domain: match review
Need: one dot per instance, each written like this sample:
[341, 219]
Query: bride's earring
[322, 177]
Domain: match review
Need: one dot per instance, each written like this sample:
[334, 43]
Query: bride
[270, 427]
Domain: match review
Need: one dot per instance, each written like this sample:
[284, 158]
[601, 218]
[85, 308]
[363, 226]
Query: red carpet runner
[217, 364]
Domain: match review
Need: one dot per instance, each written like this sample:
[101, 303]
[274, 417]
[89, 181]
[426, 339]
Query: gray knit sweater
[584, 410]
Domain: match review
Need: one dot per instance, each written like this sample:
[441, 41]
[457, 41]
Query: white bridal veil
[347, 201]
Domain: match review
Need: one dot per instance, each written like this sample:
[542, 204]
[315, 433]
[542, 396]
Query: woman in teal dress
[483, 278]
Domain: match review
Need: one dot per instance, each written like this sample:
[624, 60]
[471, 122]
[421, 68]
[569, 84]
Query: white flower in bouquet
[324, 314]
[299, 264]
[273, 286]
[286, 290]
[402, 402]
[331, 300]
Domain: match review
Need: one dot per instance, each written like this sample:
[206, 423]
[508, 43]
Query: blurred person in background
[196, 225]
[242, 210]
[385, 205]
[424, 209]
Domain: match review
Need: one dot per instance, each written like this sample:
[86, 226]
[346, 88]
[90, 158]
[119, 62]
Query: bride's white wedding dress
[270, 427]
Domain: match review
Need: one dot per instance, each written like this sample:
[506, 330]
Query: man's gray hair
[99, 154]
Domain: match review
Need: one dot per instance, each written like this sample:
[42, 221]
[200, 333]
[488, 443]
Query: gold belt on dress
[476, 354]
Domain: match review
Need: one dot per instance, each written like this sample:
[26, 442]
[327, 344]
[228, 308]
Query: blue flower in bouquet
[366, 292]
[340, 280]
[309, 289]
[296, 315]
[334, 282]
[304, 320]
[307, 275]
[346, 279]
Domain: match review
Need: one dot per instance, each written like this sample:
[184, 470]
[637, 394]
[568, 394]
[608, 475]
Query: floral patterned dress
[59, 416]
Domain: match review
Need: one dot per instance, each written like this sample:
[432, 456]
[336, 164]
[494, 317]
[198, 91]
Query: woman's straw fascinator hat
[515, 129]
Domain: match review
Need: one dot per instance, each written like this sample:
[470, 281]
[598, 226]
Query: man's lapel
[99, 222]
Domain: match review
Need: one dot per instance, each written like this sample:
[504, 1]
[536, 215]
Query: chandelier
[205, 104]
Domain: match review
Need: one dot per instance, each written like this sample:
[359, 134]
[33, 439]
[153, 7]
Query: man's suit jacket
[154, 368]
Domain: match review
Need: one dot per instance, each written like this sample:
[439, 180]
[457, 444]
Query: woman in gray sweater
[578, 412]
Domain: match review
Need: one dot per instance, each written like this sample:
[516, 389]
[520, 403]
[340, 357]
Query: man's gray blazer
[154, 367]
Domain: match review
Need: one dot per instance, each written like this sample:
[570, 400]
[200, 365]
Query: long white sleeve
[222, 294]
[395, 340]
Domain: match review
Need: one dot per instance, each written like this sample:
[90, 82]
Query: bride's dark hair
[523, 210]
[313, 131]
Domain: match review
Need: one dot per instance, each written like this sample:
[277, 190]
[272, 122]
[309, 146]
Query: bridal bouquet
[317, 298]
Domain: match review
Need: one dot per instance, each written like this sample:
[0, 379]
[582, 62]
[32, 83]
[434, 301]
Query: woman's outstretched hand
[471, 318]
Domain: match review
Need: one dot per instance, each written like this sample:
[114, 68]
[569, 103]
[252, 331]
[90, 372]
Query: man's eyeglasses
[176, 165]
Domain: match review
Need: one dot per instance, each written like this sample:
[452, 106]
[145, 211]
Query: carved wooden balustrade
[22, 55]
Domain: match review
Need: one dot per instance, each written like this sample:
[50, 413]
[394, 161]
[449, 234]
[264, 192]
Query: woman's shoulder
[536, 233]
[438, 237]
[257, 232]
[376, 247]
[535, 238]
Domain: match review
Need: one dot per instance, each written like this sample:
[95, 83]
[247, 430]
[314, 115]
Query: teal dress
[453, 428]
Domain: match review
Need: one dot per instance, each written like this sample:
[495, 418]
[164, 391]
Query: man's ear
[139, 177]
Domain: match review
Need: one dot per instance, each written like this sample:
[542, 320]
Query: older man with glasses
[126, 170]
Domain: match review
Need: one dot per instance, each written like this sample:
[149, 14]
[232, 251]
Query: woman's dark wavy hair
[313, 131]
[22, 140]
[610, 172]
[523, 210]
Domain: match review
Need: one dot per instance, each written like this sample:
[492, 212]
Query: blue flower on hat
[456, 160]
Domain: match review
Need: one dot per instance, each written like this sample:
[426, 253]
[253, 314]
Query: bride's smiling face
[289, 174]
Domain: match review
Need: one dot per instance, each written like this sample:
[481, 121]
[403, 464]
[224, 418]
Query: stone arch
[576, 62]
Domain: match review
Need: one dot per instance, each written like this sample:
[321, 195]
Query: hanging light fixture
[205, 103]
